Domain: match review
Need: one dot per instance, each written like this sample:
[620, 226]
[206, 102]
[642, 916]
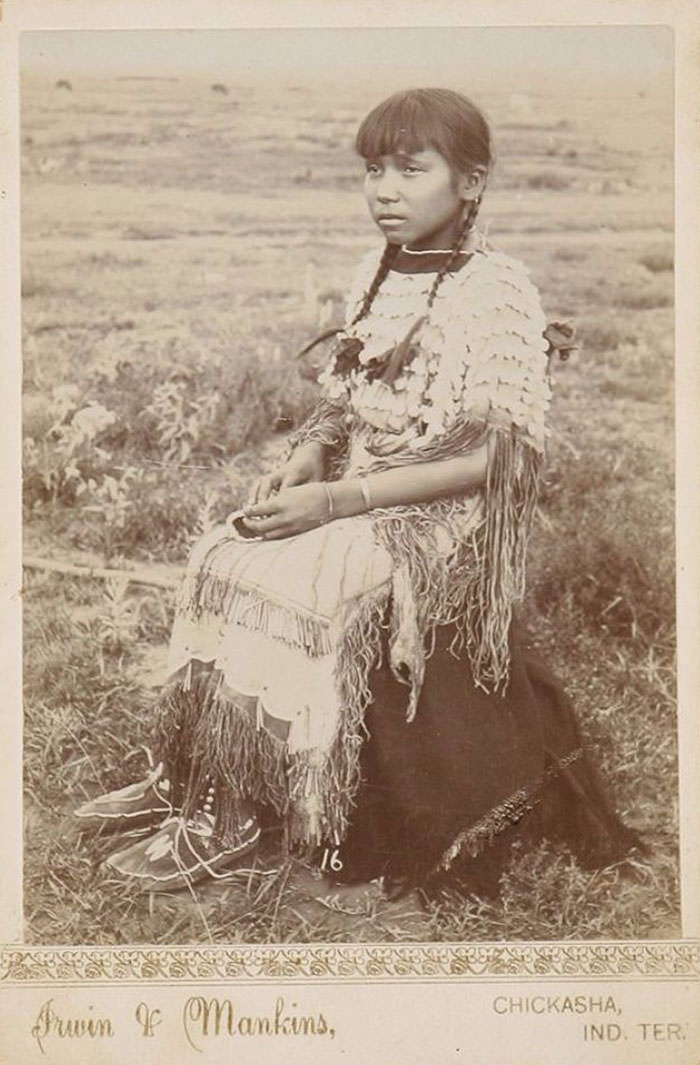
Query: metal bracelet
[329, 497]
[366, 494]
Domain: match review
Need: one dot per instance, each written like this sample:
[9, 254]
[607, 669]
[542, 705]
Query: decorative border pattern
[680, 959]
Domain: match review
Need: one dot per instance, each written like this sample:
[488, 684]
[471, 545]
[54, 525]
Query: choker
[425, 251]
[427, 262]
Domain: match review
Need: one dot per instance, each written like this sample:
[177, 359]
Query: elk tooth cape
[294, 627]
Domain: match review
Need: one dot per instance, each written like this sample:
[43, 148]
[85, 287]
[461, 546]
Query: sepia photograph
[349, 514]
[355, 719]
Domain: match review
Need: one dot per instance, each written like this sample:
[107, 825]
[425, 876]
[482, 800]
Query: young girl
[344, 650]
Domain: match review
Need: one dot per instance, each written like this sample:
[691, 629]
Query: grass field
[178, 244]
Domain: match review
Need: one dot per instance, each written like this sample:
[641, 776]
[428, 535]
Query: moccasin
[135, 806]
[183, 852]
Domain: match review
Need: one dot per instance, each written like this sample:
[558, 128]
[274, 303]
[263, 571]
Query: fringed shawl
[477, 370]
[295, 626]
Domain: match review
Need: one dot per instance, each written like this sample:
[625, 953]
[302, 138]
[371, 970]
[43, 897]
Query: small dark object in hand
[238, 528]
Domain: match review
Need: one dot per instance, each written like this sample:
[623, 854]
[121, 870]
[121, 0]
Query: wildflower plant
[59, 462]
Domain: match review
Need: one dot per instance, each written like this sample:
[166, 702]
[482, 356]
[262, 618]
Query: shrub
[177, 408]
[150, 513]
[66, 450]
[135, 447]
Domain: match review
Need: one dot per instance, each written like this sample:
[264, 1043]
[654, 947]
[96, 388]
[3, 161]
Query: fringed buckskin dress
[365, 679]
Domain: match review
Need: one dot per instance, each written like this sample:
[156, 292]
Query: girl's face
[416, 199]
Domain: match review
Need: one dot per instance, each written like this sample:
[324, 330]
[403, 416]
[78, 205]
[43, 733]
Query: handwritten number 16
[331, 860]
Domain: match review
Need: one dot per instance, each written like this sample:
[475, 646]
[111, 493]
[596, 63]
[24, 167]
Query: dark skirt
[444, 796]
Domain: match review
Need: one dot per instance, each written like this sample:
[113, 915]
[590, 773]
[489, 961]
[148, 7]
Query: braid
[401, 350]
[405, 350]
[460, 240]
[391, 251]
[389, 254]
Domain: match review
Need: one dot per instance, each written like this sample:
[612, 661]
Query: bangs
[400, 124]
[418, 119]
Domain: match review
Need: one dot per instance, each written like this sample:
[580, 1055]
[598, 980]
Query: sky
[583, 59]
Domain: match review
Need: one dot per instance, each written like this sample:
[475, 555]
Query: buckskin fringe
[438, 585]
[322, 786]
[209, 737]
[229, 747]
[474, 840]
[473, 587]
[511, 497]
[359, 651]
[233, 752]
[329, 423]
[206, 593]
[326, 424]
[466, 435]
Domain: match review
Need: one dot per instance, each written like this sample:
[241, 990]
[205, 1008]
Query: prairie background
[179, 243]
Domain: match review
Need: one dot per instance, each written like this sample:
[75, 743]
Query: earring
[471, 212]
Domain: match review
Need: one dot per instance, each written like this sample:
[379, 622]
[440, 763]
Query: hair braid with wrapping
[406, 349]
[391, 251]
[457, 248]
[411, 121]
[388, 255]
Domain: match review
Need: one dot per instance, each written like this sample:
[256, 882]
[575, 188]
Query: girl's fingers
[263, 519]
[264, 508]
[280, 534]
[263, 489]
[266, 526]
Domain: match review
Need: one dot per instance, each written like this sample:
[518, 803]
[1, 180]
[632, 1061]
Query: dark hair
[412, 121]
[417, 119]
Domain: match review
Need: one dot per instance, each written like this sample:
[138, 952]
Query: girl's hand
[305, 466]
[293, 510]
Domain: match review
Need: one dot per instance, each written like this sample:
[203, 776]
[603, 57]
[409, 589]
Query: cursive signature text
[202, 1018]
[49, 1023]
